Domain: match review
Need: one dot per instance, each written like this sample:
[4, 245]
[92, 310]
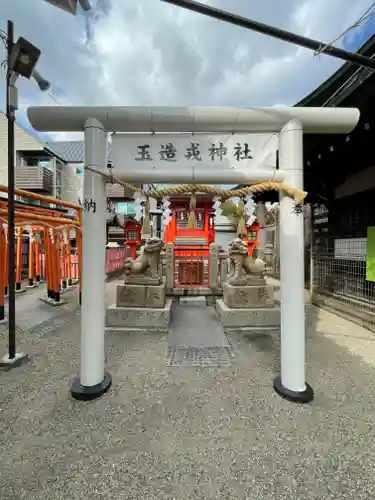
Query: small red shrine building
[177, 230]
[204, 233]
[191, 250]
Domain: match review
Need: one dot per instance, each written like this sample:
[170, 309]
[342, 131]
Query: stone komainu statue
[242, 267]
[147, 263]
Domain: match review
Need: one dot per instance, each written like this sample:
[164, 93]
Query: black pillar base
[6, 290]
[82, 393]
[70, 282]
[296, 397]
[37, 279]
[80, 298]
[2, 313]
[63, 284]
[57, 296]
[31, 282]
[18, 286]
[50, 294]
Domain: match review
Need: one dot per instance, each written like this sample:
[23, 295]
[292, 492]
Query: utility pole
[11, 223]
[22, 57]
[273, 32]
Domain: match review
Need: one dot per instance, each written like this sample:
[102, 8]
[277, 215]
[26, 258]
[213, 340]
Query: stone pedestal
[249, 307]
[248, 319]
[140, 306]
[150, 296]
[249, 296]
[139, 318]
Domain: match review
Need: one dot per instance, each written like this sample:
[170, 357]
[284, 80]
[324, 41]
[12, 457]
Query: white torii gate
[290, 123]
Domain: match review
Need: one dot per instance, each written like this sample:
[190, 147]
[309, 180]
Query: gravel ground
[187, 432]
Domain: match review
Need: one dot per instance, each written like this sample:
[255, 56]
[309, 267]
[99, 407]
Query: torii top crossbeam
[193, 119]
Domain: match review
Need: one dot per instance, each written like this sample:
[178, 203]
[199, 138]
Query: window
[350, 248]
[132, 235]
[125, 208]
[31, 201]
[43, 163]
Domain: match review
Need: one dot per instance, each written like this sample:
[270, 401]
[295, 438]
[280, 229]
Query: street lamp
[22, 58]
[71, 5]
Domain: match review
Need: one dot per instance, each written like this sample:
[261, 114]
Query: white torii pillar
[291, 383]
[93, 381]
[289, 122]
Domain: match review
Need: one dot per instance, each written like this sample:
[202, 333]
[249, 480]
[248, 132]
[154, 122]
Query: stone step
[193, 301]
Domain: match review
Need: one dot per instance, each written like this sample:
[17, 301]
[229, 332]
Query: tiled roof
[71, 151]
[74, 152]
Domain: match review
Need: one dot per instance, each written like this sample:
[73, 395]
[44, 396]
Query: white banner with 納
[214, 150]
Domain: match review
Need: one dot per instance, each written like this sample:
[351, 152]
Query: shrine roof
[342, 83]
[329, 158]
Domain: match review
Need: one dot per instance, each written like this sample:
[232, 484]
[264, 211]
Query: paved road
[33, 314]
[190, 432]
[197, 337]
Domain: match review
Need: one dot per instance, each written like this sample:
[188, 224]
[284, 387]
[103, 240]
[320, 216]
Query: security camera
[43, 84]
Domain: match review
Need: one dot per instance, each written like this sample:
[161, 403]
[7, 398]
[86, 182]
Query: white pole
[93, 381]
[291, 384]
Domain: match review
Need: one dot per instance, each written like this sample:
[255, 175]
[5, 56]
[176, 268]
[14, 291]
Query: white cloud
[146, 52]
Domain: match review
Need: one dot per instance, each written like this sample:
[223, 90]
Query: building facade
[37, 167]
[340, 179]
[56, 169]
[120, 200]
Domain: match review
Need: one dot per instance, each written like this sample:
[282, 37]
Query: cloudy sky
[145, 52]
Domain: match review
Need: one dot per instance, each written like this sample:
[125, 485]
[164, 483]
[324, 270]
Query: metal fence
[339, 264]
[115, 259]
[335, 264]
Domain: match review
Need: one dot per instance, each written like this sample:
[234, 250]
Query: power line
[274, 32]
[54, 98]
[364, 17]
